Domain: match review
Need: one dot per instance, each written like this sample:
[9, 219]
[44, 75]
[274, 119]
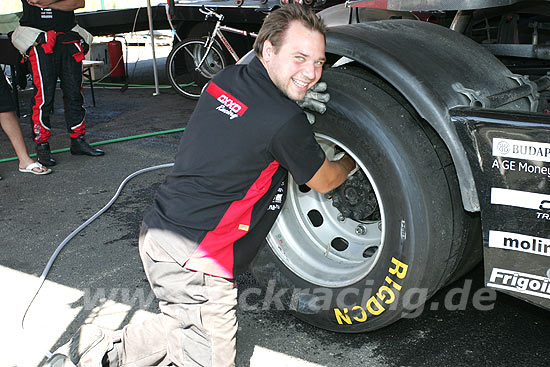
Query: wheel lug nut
[340, 217]
[361, 230]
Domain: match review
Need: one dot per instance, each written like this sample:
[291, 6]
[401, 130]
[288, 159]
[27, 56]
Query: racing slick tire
[376, 248]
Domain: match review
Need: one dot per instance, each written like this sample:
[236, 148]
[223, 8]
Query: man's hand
[332, 174]
[315, 100]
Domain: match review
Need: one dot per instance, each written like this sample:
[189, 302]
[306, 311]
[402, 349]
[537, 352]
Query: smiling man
[293, 59]
[215, 208]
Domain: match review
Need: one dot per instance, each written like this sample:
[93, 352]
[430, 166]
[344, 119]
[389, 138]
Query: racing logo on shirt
[277, 201]
[230, 105]
[46, 13]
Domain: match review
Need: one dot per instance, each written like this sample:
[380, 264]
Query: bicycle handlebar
[210, 13]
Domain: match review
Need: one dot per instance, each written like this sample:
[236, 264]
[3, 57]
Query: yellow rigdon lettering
[342, 316]
[374, 311]
[374, 305]
[363, 317]
[400, 268]
[388, 292]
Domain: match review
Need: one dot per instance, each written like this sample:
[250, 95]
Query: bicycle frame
[217, 32]
[226, 42]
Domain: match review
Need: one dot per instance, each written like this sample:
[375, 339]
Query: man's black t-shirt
[241, 141]
[47, 19]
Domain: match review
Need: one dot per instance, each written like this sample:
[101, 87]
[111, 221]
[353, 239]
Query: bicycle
[194, 61]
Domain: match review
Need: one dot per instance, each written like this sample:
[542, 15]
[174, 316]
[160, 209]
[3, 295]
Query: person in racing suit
[57, 53]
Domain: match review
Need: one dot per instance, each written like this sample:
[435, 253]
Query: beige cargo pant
[197, 325]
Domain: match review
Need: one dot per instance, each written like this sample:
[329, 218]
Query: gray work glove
[315, 100]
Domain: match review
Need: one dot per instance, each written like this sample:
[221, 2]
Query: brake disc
[355, 198]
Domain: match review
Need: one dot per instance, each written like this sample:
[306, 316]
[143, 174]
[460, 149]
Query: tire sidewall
[177, 48]
[382, 134]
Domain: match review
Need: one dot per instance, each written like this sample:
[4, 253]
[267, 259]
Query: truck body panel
[510, 157]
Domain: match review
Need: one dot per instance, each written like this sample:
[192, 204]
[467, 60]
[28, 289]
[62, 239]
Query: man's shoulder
[261, 97]
[229, 71]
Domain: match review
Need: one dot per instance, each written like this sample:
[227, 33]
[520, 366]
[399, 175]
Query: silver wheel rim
[212, 63]
[192, 52]
[308, 250]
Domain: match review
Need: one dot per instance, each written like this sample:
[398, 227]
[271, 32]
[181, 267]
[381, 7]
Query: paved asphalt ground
[98, 277]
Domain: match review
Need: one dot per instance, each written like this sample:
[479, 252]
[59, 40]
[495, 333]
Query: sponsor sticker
[533, 151]
[515, 281]
[504, 165]
[244, 227]
[230, 105]
[520, 199]
[519, 242]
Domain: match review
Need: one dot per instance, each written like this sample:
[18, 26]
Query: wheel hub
[355, 198]
[315, 241]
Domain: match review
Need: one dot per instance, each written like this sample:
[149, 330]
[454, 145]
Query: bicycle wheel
[181, 66]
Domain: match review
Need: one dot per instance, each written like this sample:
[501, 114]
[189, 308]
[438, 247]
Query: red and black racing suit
[57, 53]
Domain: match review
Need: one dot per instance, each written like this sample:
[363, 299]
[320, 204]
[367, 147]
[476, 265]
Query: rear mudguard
[510, 155]
[423, 61]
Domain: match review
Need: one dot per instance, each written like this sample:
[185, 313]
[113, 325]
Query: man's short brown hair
[275, 25]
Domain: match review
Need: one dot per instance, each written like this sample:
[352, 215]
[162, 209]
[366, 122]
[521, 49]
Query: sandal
[30, 169]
